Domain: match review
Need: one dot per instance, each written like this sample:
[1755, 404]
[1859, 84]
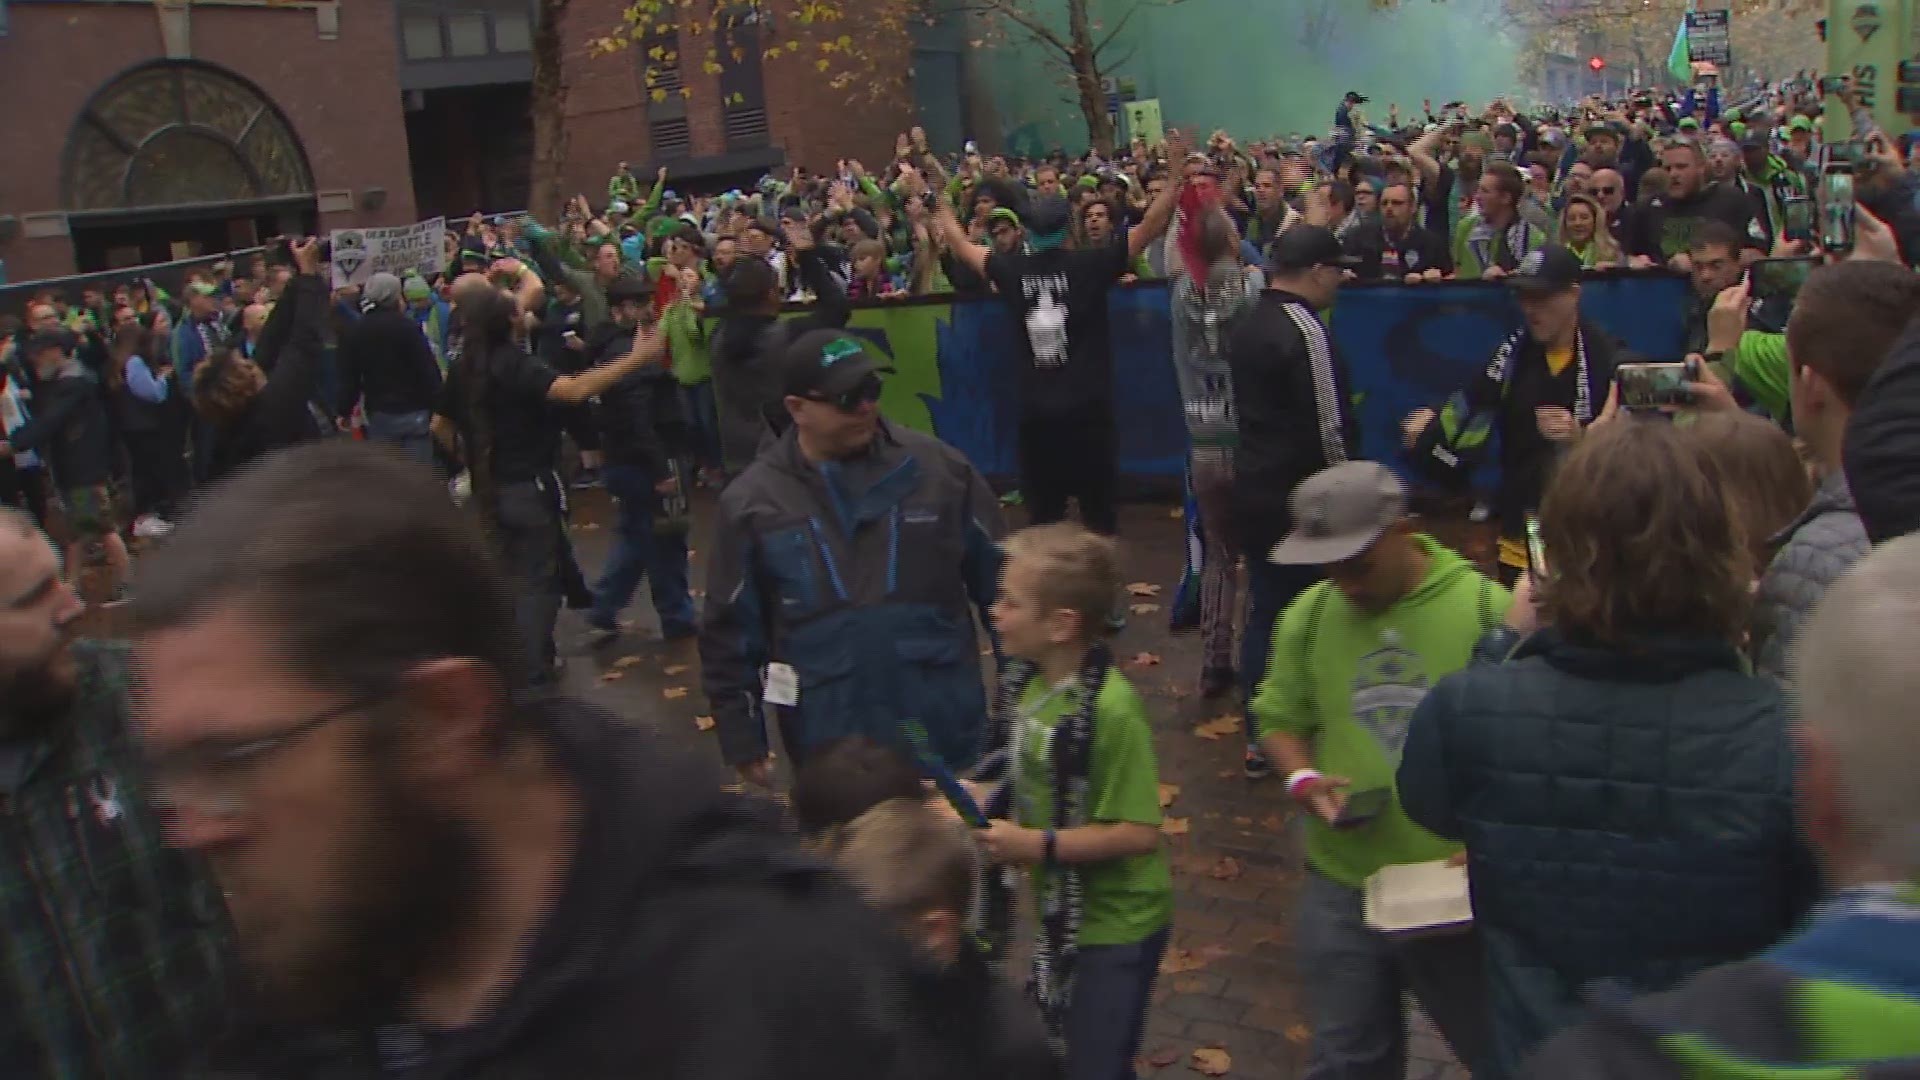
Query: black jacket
[1292, 393]
[1882, 452]
[691, 939]
[284, 412]
[70, 427]
[748, 351]
[638, 419]
[985, 1027]
[1664, 227]
[386, 358]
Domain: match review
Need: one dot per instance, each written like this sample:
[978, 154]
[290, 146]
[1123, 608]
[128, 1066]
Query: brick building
[139, 132]
[144, 131]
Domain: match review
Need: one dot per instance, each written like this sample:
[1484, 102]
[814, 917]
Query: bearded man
[112, 965]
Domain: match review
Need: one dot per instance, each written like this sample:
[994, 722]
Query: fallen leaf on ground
[1143, 588]
[704, 723]
[587, 526]
[1211, 1061]
[1144, 609]
[1179, 960]
[1162, 1057]
[674, 693]
[1168, 793]
[674, 669]
[1176, 826]
[1227, 868]
[626, 661]
[1271, 823]
[1298, 1034]
[696, 593]
[610, 676]
[1226, 774]
[1145, 659]
[1243, 821]
[1176, 513]
[1218, 726]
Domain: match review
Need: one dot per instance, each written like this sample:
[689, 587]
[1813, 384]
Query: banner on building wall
[358, 254]
[1406, 346]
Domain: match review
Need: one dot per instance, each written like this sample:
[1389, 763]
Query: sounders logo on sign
[349, 252]
[1866, 21]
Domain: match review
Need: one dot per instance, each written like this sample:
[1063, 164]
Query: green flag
[1678, 63]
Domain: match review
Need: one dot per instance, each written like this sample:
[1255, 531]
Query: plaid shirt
[112, 960]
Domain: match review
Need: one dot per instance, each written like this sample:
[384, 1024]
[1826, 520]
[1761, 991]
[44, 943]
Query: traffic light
[1596, 63]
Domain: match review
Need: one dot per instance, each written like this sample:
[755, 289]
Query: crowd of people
[330, 813]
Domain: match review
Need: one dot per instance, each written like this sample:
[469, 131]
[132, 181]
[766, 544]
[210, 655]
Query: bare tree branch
[1119, 26]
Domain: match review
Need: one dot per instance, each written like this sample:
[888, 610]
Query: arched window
[176, 132]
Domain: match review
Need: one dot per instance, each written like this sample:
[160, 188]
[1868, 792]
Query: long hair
[486, 326]
[1643, 538]
[1765, 480]
[127, 343]
[1605, 248]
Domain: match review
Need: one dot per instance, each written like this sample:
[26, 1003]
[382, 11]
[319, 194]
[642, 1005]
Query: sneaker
[1256, 766]
[599, 637]
[151, 526]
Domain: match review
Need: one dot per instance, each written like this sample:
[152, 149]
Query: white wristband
[1298, 777]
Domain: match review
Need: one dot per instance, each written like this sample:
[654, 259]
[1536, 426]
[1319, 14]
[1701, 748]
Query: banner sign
[358, 254]
[1707, 39]
[1406, 346]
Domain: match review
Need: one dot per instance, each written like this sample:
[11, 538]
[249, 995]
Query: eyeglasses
[215, 779]
[1604, 190]
[865, 392]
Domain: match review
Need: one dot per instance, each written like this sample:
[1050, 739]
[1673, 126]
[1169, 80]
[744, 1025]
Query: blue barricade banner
[1406, 346]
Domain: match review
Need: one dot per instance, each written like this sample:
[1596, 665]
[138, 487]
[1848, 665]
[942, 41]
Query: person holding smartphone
[1352, 657]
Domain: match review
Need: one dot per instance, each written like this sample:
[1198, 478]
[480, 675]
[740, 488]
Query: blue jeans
[1112, 986]
[703, 422]
[1354, 981]
[639, 551]
[409, 431]
[1270, 588]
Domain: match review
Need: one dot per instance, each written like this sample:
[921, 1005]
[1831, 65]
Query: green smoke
[1266, 67]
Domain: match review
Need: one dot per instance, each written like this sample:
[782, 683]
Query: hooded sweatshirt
[1883, 444]
[1347, 681]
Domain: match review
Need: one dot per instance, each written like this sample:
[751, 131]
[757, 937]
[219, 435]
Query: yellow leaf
[626, 661]
[674, 693]
[659, 94]
[686, 92]
[1212, 1061]
[1168, 793]
[1218, 726]
[674, 669]
[612, 676]
[822, 65]
[1142, 588]
[711, 67]
[1176, 826]
[704, 723]
[791, 46]
[658, 52]
[1298, 1034]
[1144, 609]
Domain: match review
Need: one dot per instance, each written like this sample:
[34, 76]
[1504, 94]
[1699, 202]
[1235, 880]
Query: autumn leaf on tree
[1211, 1061]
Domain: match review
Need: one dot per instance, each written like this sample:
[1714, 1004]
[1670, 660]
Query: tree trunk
[1086, 79]
[549, 114]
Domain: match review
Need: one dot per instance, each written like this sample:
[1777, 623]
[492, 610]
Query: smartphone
[1645, 387]
[1848, 153]
[1832, 85]
[1536, 551]
[1796, 218]
[1782, 278]
[1362, 807]
[1836, 207]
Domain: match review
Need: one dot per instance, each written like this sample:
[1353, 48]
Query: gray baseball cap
[1339, 512]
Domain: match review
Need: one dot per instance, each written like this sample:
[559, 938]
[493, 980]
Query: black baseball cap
[1546, 269]
[1357, 97]
[1045, 215]
[1304, 247]
[822, 365]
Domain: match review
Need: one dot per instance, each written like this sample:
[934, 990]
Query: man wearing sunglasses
[430, 876]
[113, 941]
[843, 564]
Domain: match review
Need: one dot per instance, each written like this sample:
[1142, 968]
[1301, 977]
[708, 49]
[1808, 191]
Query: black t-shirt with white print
[1060, 301]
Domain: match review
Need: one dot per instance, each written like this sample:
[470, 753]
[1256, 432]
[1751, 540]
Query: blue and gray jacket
[867, 594]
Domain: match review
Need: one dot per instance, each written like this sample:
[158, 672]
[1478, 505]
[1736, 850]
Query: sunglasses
[865, 392]
[1604, 190]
